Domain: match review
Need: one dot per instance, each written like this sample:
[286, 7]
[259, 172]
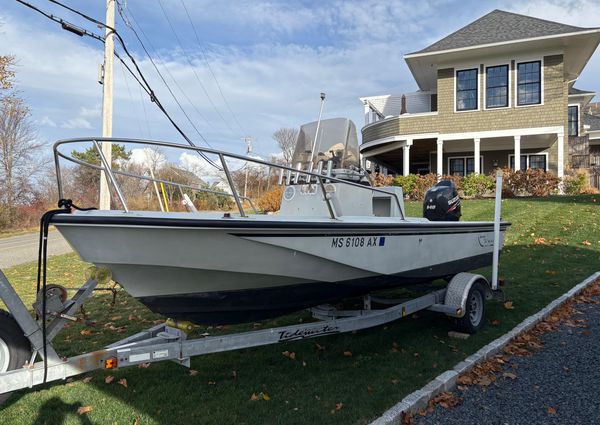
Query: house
[497, 89]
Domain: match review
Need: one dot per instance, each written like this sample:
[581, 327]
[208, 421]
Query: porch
[466, 153]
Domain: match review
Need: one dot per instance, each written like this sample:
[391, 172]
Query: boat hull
[220, 271]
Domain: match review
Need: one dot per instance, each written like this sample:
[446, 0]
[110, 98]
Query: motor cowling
[442, 202]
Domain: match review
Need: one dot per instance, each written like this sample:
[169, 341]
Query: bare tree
[19, 161]
[6, 72]
[286, 139]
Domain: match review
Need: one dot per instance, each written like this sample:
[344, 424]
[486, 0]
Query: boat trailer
[23, 339]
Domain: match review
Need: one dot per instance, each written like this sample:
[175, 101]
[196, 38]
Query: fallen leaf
[86, 332]
[109, 379]
[484, 381]
[347, 353]
[495, 322]
[303, 363]
[339, 406]
[131, 317]
[509, 375]
[123, 382]
[551, 411]
[212, 382]
[290, 355]
[144, 365]
[265, 396]
[87, 380]
[508, 305]
[83, 410]
[234, 374]
[253, 397]
[193, 372]
[465, 380]
[539, 241]
[115, 318]
[319, 347]
[136, 422]
[395, 381]
[586, 243]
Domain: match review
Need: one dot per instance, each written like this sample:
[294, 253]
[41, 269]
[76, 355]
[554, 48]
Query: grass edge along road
[352, 378]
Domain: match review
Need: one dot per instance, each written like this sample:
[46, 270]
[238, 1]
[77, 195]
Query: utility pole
[107, 100]
[248, 141]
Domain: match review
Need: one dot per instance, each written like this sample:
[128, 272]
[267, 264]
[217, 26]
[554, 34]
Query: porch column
[517, 153]
[440, 158]
[560, 170]
[406, 157]
[477, 156]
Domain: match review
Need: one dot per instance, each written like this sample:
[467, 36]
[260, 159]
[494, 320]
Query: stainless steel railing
[316, 177]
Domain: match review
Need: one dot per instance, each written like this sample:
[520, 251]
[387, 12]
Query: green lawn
[386, 363]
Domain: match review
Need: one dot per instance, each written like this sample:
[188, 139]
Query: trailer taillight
[111, 363]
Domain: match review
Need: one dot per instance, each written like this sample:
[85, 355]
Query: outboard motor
[442, 202]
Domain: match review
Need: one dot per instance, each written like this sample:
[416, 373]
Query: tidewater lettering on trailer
[308, 332]
[357, 241]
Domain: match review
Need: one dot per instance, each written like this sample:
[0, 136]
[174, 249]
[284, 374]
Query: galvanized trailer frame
[164, 342]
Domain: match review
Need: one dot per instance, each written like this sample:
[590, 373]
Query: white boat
[334, 237]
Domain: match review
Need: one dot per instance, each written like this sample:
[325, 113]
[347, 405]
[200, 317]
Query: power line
[192, 67]
[210, 67]
[127, 22]
[146, 86]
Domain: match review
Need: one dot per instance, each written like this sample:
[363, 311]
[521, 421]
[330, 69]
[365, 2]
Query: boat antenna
[312, 151]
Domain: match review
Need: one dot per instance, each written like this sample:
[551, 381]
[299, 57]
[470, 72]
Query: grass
[19, 232]
[386, 364]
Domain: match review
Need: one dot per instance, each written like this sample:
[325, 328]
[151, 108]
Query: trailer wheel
[15, 349]
[474, 315]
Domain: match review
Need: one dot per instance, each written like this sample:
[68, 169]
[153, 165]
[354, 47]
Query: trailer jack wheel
[15, 349]
[474, 315]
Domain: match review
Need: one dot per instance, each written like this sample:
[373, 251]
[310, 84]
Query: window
[534, 161]
[573, 120]
[529, 84]
[462, 166]
[496, 86]
[457, 166]
[537, 162]
[466, 90]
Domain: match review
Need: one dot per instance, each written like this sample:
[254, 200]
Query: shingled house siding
[553, 111]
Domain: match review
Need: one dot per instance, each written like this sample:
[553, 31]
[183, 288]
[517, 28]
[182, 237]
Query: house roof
[592, 120]
[576, 91]
[499, 26]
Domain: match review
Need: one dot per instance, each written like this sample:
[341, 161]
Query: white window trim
[467, 68]
[485, 67]
[516, 94]
[510, 155]
[464, 158]
[578, 118]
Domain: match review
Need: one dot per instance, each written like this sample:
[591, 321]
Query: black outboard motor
[442, 202]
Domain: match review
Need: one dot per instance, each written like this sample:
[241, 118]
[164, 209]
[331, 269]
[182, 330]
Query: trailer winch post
[496, 249]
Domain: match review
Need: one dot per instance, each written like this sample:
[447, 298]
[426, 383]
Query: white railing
[381, 107]
[287, 175]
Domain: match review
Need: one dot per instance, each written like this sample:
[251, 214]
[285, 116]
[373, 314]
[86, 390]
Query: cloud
[77, 124]
[46, 121]
[148, 157]
[93, 112]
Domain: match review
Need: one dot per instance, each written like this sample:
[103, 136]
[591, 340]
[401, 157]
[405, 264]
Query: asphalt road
[24, 248]
[556, 385]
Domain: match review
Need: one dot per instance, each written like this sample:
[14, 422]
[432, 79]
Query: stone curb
[447, 380]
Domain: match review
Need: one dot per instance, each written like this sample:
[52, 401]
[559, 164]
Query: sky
[245, 68]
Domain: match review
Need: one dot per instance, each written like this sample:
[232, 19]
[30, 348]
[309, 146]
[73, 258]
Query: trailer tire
[474, 316]
[15, 349]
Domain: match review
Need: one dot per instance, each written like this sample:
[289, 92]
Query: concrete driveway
[24, 248]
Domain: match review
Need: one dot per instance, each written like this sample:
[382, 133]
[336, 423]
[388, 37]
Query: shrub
[422, 185]
[530, 182]
[477, 185]
[271, 201]
[407, 183]
[576, 182]
[379, 179]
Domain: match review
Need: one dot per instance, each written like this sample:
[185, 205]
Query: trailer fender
[458, 290]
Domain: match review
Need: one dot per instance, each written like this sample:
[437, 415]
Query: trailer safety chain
[65, 206]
